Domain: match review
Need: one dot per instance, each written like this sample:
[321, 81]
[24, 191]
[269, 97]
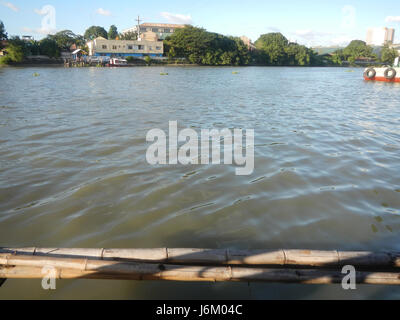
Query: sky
[308, 22]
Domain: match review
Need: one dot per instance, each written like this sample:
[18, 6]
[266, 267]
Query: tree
[128, 36]
[273, 46]
[15, 53]
[274, 49]
[388, 55]
[113, 33]
[357, 49]
[3, 33]
[49, 47]
[201, 47]
[147, 59]
[95, 31]
[243, 56]
[25, 46]
[31, 48]
[298, 55]
[336, 58]
[66, 38]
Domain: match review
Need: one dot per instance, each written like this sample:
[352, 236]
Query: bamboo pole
[129, 271]
[289, 258]
[27, 264]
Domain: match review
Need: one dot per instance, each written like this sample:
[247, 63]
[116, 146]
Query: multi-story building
[162, 30]
[380, 36]
[125, 48]
[389, 37]
[250, 45]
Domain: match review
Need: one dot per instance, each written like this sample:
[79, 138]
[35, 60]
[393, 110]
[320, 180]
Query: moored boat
[117, 62]
[386, 74]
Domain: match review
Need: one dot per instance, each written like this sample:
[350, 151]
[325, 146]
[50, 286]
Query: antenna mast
[138, 27]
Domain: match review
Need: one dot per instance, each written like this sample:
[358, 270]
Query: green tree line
[199, 46]
[275, 49]
[51, 46]
[355, 50]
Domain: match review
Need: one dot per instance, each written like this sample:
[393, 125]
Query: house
[160, 30]
[77, 54]
[125, 48]
[365, 61]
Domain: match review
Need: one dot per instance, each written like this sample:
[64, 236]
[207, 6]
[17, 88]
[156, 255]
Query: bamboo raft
[287, 266]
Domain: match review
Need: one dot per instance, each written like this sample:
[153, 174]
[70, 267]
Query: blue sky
[308, 22]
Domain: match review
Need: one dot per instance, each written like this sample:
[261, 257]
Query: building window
[130, 47]
[150, 48]
[104, 46]
[140, 47]
[114, 47]
[167, 31]
[154, 30]
[158, 48]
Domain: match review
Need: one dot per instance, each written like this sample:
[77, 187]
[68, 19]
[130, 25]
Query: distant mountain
[326, 50]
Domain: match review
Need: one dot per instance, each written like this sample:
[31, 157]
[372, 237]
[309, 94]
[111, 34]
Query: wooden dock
[280, 266]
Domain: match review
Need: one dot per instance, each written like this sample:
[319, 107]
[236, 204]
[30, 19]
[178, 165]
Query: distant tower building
[389, 39]
[380, 36]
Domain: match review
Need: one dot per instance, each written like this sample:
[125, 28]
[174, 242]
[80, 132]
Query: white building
[125, 48]
[380, 36]
[161, 30]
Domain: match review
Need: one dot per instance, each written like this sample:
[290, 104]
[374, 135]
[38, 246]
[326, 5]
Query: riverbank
[62, 64]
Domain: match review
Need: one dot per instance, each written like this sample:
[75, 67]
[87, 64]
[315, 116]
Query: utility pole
[138, 27]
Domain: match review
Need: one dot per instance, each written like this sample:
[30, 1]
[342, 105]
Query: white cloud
[103, 12]
[177, 18]
[341, 40]
[311, 35]
[42, 31]
[305, 33]
[274, 29]
[392, 19]
[45, 31]
[317, 38]
[10, 6]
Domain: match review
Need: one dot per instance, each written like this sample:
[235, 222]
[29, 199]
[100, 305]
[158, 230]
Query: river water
[73, 170]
